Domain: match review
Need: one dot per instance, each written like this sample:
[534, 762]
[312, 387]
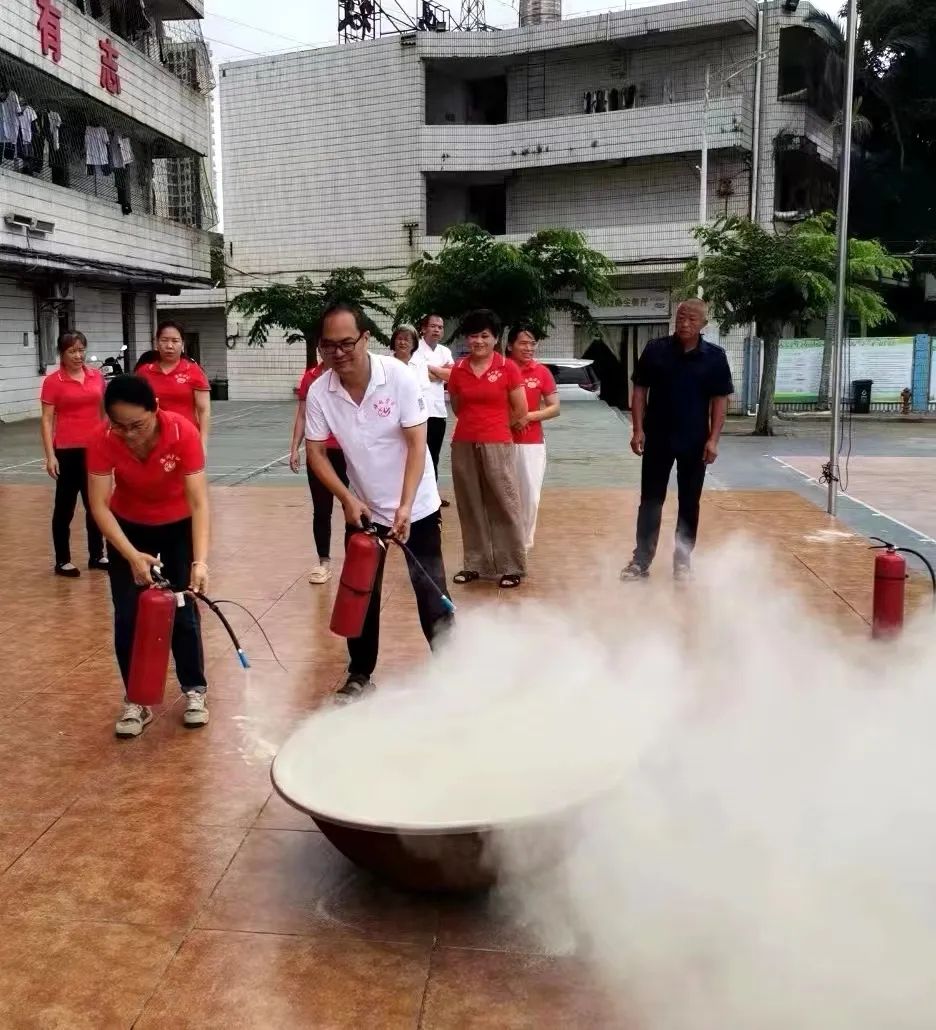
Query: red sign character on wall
[50, 29]
[110, 73]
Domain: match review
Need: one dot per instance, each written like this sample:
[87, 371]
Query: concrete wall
[319, 167]
[646, 192]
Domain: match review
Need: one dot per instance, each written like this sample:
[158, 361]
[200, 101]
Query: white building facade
[104, 200]
[364, 154]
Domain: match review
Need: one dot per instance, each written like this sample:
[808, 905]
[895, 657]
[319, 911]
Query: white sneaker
[196, 711]
[133, 719]
[320, 574]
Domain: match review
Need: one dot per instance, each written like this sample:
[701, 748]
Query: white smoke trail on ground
[767, 859]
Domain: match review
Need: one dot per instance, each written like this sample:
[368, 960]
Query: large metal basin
[396, 816]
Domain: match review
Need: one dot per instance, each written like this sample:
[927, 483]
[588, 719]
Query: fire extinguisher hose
[213, 606]
[447, 603]
[886, 545]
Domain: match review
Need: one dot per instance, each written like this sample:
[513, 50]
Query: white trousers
[531, 468]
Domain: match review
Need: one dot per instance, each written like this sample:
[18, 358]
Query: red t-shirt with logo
[150, 492]
[483, 402]
[77, 406]
[538, 382]
[308, 378]
[176, 390]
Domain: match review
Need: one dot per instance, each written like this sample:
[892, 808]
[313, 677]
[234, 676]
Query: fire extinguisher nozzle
[448, 605]
[243, 659]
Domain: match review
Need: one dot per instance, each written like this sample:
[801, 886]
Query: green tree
[297, 308]
[524, 283]
[749, 274]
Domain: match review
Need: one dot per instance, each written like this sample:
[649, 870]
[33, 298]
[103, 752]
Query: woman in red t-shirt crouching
[149, 495]
[71, 411]
[487, 398]
[179, 383]
[542, 404]
[323, 501]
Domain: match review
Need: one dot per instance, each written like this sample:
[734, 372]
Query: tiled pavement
[157, 883]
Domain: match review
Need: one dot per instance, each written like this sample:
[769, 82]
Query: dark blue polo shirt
[681, 385]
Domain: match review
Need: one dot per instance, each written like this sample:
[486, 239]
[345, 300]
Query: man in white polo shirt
[438, 359]
[374, 408]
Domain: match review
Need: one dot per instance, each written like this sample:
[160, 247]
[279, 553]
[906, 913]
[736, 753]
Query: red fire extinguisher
[890, 577]
[152, 642]
[363, 555]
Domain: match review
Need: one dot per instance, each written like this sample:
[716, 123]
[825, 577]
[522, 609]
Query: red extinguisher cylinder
[890, 577]
[363, 554]
[152, 644]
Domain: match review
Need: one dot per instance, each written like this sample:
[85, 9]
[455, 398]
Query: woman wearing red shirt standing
[542, 405]
[149, 495]
[71, 410]
[323, 501]
[487, 397]
[180, 384]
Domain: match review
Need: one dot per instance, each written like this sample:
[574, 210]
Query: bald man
[681, 388]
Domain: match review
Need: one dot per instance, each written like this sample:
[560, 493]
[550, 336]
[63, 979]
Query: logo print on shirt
[383, 406]
[494, 375]
[531, 384]
[168, 462]
[182, 379]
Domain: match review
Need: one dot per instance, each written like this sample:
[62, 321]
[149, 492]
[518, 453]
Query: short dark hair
[522, 327]
[129, 390]
[426, 317]
[338, 307]
[169, 324]
[69, 338]
[146, 358]
[478, 321]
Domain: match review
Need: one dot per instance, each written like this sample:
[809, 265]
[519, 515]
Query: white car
[576, 380]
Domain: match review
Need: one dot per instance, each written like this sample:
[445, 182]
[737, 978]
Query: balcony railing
[585, 139]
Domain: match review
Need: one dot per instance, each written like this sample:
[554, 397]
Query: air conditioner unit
[41, 227]
[16, 221]
[60, 291]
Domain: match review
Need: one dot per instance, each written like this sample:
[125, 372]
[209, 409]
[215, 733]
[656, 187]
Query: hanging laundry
[119, 150]
[9, 118]
[27, 120]
[96, 149]
[54, 124]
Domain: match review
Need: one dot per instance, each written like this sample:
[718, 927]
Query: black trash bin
[861, 396]
[219, 389]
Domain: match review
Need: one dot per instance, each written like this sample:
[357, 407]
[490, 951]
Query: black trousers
[173, 544]
[654, 479]
[435, 437]
[323, 501]
[72, 481]
[426, 544]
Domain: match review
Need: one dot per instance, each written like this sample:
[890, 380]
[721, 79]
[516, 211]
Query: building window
[55, 314]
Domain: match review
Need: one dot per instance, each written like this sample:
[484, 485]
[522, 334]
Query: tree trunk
[311, 351]
[825, 371]
[770, 334]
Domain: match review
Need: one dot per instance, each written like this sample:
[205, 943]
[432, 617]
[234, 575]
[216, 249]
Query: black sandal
[465, 577]
[509, 582]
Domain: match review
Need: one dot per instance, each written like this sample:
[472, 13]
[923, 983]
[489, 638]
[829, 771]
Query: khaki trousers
[489, 508]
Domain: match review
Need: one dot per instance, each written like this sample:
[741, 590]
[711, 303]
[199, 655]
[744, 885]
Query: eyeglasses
[333, 346]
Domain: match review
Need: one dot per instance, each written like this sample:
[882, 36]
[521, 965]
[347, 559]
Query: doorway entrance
[631, 338]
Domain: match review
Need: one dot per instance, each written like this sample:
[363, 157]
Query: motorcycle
[111, 367]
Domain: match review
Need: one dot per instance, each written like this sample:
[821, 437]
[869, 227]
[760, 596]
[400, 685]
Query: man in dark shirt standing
[681, 388]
